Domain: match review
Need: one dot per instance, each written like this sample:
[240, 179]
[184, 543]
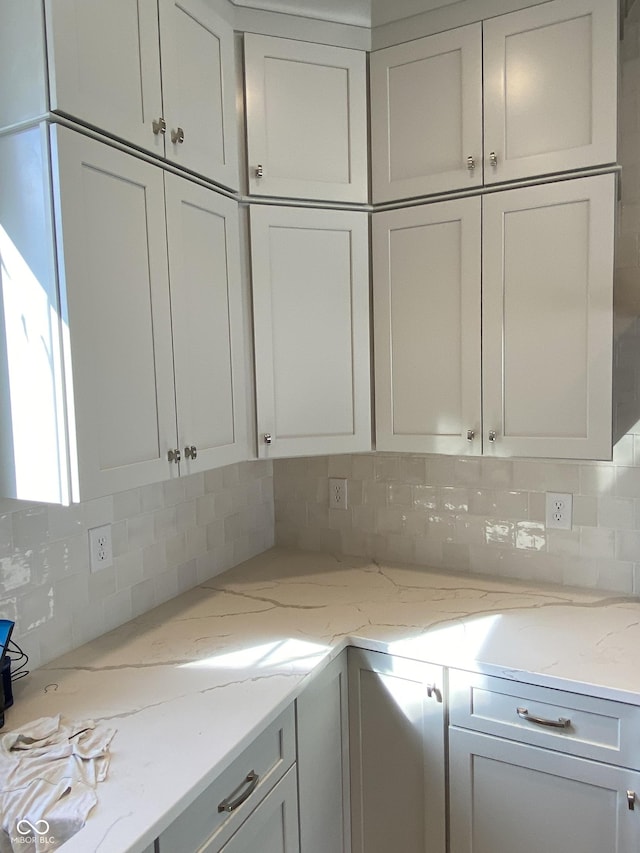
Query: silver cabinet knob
[470, 434]
[259, 171]
[492, 435]
[493, 159]
[159, 126]
[177, 135]
[174, 456]
[267, 438]
[471, 164]
[191, 452]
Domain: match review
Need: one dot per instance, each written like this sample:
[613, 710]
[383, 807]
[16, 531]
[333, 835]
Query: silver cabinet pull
[492, 435]
[159, 126]
[177, 135]
[560, 723]
[471, 164]
[174, 456]
[191, 452]
[631, 800]
[434, 693]
[259, 171]
[229, 804]
[470, 434]
[493, 159]
[267, 438]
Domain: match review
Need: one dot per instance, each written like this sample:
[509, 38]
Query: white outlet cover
[558, 510]
[100, 548]
[337, 493]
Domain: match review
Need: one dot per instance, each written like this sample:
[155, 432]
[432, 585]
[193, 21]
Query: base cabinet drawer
[272, 827]
[599, 729]
[506, 796]
[213, 817]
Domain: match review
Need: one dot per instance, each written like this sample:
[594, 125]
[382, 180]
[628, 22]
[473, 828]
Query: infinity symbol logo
[25, 827]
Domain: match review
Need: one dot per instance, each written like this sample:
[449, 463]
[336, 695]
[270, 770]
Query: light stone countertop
[190, 684]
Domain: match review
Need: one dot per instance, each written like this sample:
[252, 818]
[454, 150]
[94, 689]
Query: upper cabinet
[306, 120]
[158, 74]
[122, 358]
[548, 84]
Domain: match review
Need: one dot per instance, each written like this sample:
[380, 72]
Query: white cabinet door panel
[311, 327]
[306, 119]
[547, 319]
[550, 76]
[113, 265]
[506, 796]
[198, 89]
[104, 66]
[204, 270]
[427, 293]
[273, 826]
[426, 115]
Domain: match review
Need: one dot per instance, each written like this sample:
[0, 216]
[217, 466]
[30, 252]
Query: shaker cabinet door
[104, 66]
[198, 89]
[550, 78]
[206, 310]
[507, 796]
[427, 294]
[111, 235]
[426, 115]
[547, 319]
[306, 119]
[311, 328]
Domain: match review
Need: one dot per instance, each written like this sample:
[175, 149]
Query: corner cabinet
[105, 369]
[306, 119]
[311, 330]
[397, 737]
[158, 74]
[521, 95]
[541, 315]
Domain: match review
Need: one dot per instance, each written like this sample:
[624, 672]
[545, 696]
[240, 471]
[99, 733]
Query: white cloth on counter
[49, 769]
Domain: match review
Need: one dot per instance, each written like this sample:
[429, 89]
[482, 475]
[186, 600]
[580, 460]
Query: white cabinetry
[323, 762]
[397, 736]
[103, 392]
[508, 795]
[158, 74]
[547, 83]
[546, 320]
[306, 119]
[311, 327]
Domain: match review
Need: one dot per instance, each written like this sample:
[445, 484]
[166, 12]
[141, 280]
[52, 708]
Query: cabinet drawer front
[567, 722]
[269, 756]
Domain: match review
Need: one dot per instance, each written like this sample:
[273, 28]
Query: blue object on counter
[6, 694]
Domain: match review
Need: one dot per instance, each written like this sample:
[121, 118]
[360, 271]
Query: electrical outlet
[559, 509]
[100, 548]
[337, 493]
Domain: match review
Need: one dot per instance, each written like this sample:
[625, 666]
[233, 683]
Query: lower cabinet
[397, 736]
[323, 762]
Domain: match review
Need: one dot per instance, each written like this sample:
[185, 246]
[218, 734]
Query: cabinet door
[198, 89]
[206, 310]
[397, 754]
[104, 66]
[323, 762]
[115, 310]
[506, 796]
[550, 77]
[311, 327]
[426, 291]
[306, 119]
[547, 319]
[273, 826]
[426, 115]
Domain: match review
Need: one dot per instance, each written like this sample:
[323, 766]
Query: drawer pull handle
[631, 800]
[560, 723]
[229, 804]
